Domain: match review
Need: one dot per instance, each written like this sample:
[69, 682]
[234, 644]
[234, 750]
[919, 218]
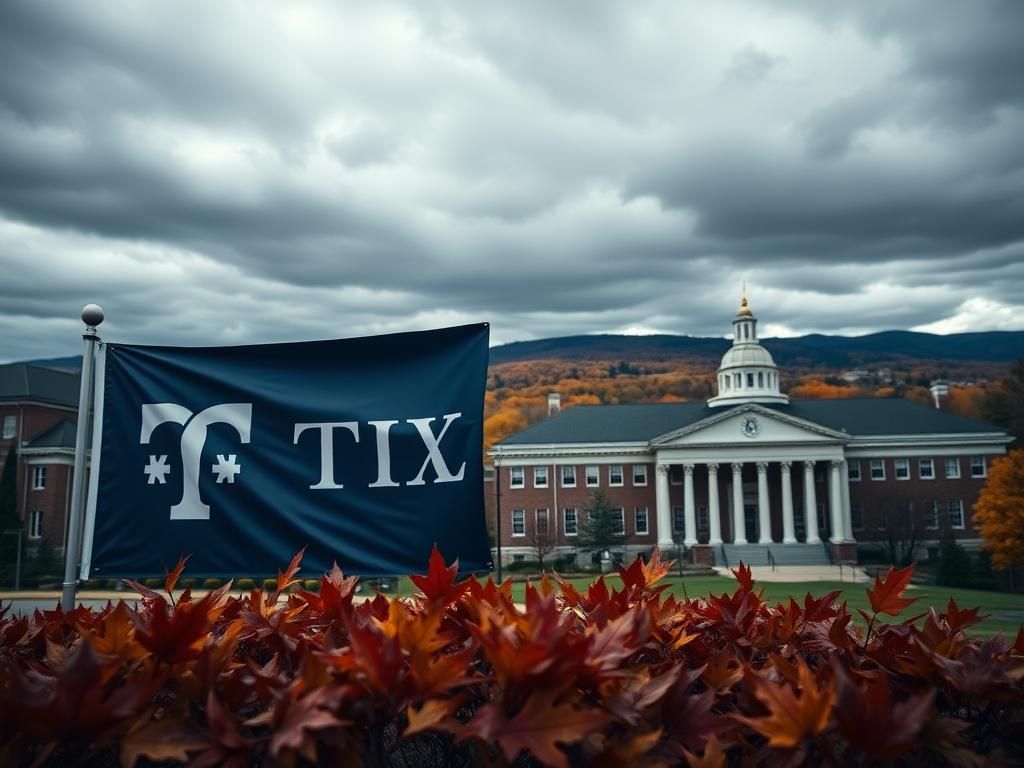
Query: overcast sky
[217, 173]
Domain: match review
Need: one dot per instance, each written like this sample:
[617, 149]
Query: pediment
[749, 425]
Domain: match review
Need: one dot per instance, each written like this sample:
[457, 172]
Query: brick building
[747, 475]
[38, 416]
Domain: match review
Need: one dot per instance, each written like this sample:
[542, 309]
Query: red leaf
[713, 756]
[286, 579]
[791, 718]
[958, 619]
[171, 579]
[872, 722]
[885, 595]
[744, 577]
[537, 728]
[439, 586]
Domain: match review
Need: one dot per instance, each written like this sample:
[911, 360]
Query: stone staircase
[783, 554]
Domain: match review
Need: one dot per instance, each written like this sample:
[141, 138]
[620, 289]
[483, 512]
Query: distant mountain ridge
[811, 350]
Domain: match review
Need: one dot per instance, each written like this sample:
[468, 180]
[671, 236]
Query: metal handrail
[771, 557]
[725, 557]
[828, 551]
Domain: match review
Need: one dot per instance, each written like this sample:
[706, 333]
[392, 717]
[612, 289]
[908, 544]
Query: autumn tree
[543, 540]
[902, 528]
[1004, 404]
[999, 511]
[601, 526]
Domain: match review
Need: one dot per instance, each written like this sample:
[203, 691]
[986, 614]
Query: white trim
[512, 522]
[35, 520]
[642, 467]
[522, 483]
[561, 473]
[945, 468]
[99, 391]
[963, 515]
[541, 469]
[622, 476]
[768, 413]
[647, 521]
[586, 476]
[896, 465]
[920, 463]
[871, 471]
[984, 468]
[576, 516]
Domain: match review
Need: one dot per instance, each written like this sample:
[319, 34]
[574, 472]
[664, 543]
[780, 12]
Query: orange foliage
[502, 424]
[815, 389]
[999, 511]
[966, 401]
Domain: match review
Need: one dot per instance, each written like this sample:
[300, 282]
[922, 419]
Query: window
[678, 520]
[488, 474]
[703, 520]
[35, 525]
[639, 474]
[902, 469]
[641, 521]
[518, 522]
[737, 380]
[569, 521]
[853, 468]
[518, 558]
[926, 469]
[593, 477]
[857, 515]
[675, 475]
[821, 517]
[516, 477]
[568, 477]
[750, 381]
[615, 474]
[760, 379]
[38, 478]
[542, 526]
[619, 515]
[878, 469]
[956, 513]
[952, 467]
[931, 513]
[10, 426]
[977, 466]
[540, 477]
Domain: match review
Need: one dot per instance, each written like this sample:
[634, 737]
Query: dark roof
[61, 435]
[639, 423]
[22, 381]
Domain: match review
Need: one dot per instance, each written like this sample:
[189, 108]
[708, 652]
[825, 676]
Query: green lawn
[1006, 611]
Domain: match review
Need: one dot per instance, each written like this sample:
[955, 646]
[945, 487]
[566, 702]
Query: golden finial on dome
[744, 309]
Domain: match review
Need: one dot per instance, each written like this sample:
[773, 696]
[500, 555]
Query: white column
[810, 505]
[764, 515]
[714, 518]
[847, 519]
[835, 501]
[788, 526]
[689, 508]
[739, 524]
[663, 511]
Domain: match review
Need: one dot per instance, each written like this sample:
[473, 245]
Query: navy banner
[367, 451]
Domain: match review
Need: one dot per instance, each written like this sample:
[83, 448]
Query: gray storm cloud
[225, 173]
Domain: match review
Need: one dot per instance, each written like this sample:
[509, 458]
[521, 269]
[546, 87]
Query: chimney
[939, 389]
[554, 403]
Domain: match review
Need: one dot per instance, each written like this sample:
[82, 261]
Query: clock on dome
[751, 427]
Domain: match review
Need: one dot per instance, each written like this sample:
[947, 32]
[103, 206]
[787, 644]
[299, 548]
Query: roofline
[39, 401]
[743, 408]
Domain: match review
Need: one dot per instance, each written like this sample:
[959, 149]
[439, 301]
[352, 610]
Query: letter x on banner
[366, 451]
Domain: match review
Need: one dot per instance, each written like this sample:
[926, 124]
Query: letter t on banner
[92, 316]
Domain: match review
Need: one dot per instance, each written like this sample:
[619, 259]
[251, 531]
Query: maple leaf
[177, 637]
[744, 577]
[713, 756]
[537, 728]
[171, 579]
[872, 723]
[167, 739]
[118, 636]
[287, 577]
[885, 595]
[428, 716]
[958, 620]
[294, 715]
[438, 585]
[791, 718]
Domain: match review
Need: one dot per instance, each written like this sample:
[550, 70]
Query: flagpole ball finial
[92, 315]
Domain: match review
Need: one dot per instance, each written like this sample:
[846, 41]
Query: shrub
[269, 584]
[212, 583]
[461, 675]
[311, 585]
[523, 565]
[955, 567]
[245, 585]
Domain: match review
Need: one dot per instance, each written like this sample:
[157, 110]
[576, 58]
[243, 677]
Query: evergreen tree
[8, 517]
[601, 527]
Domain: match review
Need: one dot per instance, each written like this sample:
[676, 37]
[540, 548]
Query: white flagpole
[92, 316]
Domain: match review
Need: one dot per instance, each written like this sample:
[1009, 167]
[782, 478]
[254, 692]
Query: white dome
[746, 354]
[747, 373]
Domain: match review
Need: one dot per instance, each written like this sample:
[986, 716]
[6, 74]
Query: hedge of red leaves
[459, 675]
